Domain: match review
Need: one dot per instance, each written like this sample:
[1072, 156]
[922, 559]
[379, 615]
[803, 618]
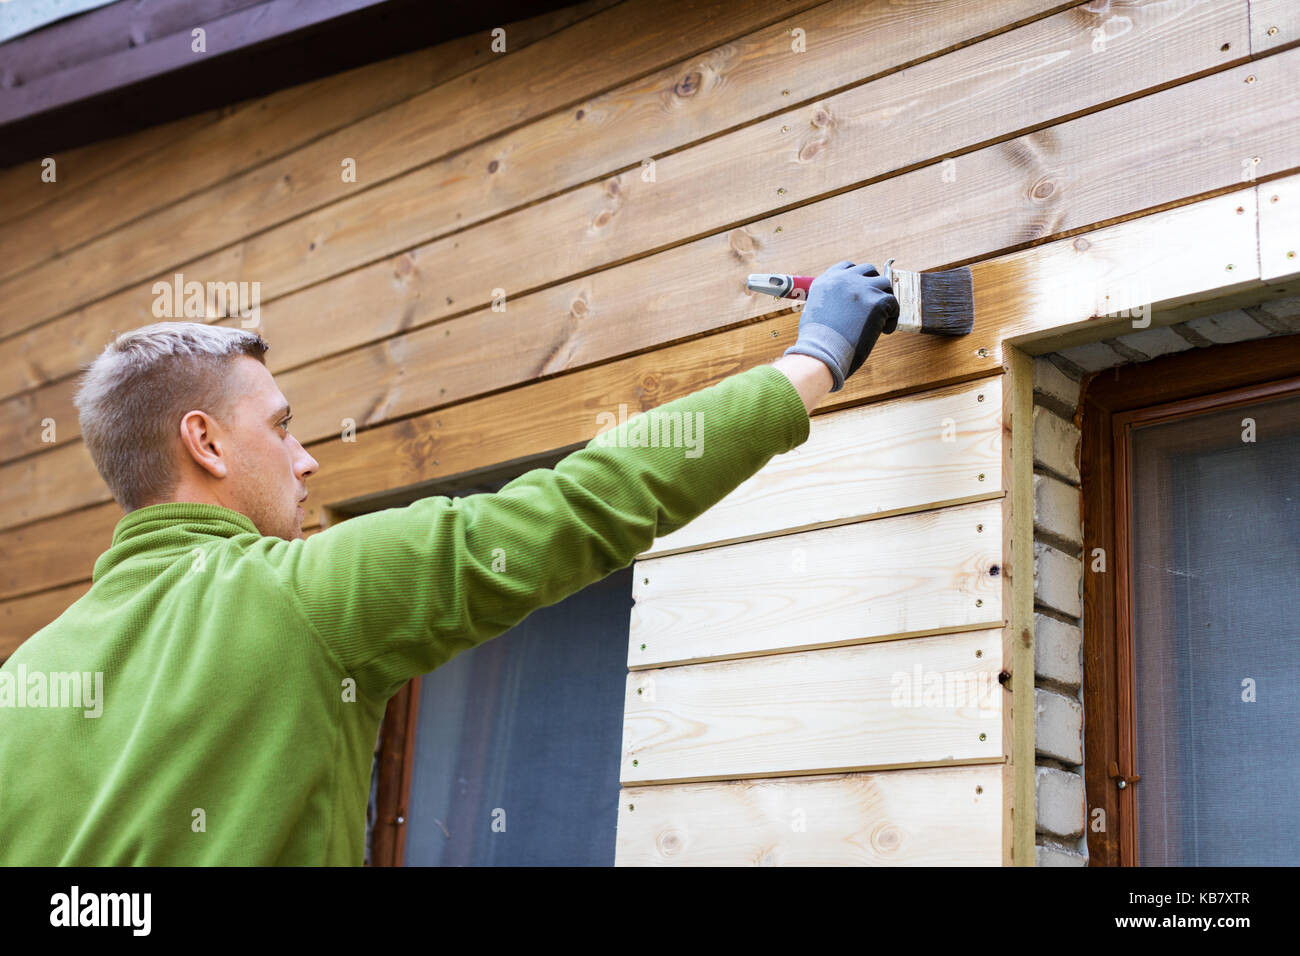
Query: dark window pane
[526, 729]
[1216, 582]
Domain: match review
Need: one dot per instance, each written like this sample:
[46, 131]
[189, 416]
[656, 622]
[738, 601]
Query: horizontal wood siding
[613, 182]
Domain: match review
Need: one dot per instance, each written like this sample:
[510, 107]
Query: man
[241, 670]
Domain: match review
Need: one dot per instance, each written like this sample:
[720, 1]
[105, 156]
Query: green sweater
[244, 677]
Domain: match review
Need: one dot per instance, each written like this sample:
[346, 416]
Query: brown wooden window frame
[1164, 389]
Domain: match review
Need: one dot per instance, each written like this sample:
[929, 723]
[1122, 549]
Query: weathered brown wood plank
[266, 129]
[556, 71]
[598, 316]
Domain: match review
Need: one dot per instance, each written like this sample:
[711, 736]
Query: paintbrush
[936, 303]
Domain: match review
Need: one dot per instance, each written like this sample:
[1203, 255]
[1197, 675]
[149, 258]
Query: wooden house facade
[922, 637]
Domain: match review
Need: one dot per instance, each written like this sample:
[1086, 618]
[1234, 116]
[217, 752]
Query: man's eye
[285, 424]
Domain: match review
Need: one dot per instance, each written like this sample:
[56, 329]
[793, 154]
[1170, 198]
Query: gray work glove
[847, 307]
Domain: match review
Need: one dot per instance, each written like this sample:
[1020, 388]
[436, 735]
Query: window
[509, 754]
[1192, 490]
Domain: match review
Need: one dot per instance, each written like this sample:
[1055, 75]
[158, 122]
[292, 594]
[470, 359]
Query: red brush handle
[800, 288]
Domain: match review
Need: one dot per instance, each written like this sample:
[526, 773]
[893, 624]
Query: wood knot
[578, 308]
[1043, 189]
[612, 188]
[1082, 245]
[580, 114]
[603, 219]
[821, 118]
[493, 166]
[649, 384]
[669, 843]
[809, 150]
[403, 265]
[742, 244]
[1004, 677]
[887, 838]
[689, 84]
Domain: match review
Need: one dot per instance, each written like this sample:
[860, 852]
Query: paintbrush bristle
[947, 302]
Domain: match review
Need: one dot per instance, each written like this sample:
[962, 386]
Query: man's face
[268, 467]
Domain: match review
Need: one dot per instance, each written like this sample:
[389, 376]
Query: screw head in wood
[979, 602]
[979, 398]
[1251, 78]
[982, 353]
[981, 476]
[979, 527]
[1272, 31]
[979, 653]
[984, 736]
[978, 788]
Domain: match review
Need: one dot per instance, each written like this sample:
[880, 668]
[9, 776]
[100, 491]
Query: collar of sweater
[168, 526]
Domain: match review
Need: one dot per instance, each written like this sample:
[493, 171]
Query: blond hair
[132, 397]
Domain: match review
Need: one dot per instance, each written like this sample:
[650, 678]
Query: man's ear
[202, 442]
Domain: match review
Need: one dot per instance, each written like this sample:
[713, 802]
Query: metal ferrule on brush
[907, 290]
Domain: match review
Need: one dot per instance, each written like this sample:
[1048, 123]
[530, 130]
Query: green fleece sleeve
[399, 592]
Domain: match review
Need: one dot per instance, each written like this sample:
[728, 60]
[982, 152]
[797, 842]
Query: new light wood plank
[939, 447]
[831, 710]
[943, 817]
[265, 129]
[911, 575]
[1279, 228]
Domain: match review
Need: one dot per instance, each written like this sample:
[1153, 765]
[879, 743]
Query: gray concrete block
[1225, 327]
[1058, 579]
[1093, 356]
[1056, 856]
[1283, 313]
[1057, 509]
[1058, 726]
[1156, 342]
[1058, 802]
[1056, 444]
[1050, 380]
[1058, 650]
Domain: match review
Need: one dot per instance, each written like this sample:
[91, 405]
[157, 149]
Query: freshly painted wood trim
[825, 711]
[949, 816]
[1018, 602]
[939, 447]
[913, 575]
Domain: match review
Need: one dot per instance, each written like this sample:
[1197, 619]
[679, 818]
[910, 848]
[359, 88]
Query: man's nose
[306, 465]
